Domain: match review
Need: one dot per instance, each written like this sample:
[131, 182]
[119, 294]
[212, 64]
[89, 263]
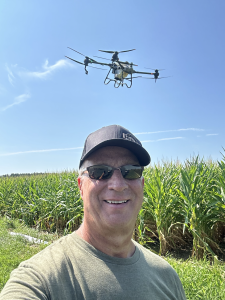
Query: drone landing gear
[117, 81]
[129, 79]
[117, 84]
[107, 79]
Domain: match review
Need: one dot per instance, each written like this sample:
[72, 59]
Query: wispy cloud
[47, 70]
[76, 148]
[165, 139]
[11, 77]
[209, 134]
[17, 101]
[40, 151]
[173, 130]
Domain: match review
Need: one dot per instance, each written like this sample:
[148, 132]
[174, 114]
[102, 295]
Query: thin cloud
[47, 69]
[18, 100]
[209, 134]
[75, 148]
[11, 77]
[40, 151]
[164, 139]
[173, 130]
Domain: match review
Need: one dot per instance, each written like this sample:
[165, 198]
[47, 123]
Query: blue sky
[48, 105]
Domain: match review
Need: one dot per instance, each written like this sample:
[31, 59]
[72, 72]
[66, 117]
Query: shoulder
[159, 270]
[157, 265]
[152, 258]
[55, 253]
[38, 277]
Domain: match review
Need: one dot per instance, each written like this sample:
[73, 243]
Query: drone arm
[143, 72]
[74, 60]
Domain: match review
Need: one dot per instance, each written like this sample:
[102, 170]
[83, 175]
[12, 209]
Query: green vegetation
[183, 208]
[186, 203]
[200, 279]
[15, 249]
[183, 204]
[46, 201]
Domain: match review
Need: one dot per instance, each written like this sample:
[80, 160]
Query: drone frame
[118, 82]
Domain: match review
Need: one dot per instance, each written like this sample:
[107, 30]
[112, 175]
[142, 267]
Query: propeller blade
[77, 51]
[126, 50]
[164, 77]
[116, 51]
[102, 57]
[107, 51]
[74, 60]
[156, 69]
[156, 78]
[97, 68]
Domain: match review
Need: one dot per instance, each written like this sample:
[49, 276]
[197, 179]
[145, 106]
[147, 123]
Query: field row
[183, 203]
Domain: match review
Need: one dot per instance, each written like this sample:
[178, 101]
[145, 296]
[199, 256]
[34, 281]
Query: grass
[14, 250]
[48, 201]
[200, 279]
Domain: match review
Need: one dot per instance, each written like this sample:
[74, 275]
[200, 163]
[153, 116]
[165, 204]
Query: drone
[119, 69]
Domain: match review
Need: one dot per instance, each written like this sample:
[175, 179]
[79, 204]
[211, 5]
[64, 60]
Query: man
[100, 260]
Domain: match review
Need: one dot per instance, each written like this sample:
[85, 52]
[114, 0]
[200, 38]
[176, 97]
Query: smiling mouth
[116, 202]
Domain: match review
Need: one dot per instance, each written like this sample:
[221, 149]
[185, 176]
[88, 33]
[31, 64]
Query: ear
[143, 180]
[79, 181]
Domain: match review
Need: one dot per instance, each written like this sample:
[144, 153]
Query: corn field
[183, 203]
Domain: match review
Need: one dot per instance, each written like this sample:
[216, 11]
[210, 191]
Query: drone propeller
[132, 77]
[77, 51]
[83, 63]
[164, 77]
[116, 51]
[156, 78]
[156, 69]
[126, 50]
[102, 57]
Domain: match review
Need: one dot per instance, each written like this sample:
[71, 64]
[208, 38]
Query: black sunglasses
[105, 172]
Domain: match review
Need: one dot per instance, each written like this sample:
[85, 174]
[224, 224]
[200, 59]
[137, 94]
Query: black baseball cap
[115, 135]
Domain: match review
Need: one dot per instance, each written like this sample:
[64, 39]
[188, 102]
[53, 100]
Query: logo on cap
[129, 137]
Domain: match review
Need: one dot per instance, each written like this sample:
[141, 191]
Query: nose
[117, 182]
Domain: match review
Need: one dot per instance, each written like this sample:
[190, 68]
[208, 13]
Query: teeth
[116, 202]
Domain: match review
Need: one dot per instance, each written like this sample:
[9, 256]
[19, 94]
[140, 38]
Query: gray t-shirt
[73, 269]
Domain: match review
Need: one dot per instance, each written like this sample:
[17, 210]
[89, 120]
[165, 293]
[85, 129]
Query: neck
[117, 244]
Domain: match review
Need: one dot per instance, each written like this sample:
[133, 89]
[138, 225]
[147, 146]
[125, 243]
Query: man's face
[99, 213]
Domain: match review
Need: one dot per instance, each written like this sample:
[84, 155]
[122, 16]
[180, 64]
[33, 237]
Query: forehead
[113, 156]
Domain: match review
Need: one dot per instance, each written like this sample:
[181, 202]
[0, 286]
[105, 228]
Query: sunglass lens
[100, 172]
[132, 172]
